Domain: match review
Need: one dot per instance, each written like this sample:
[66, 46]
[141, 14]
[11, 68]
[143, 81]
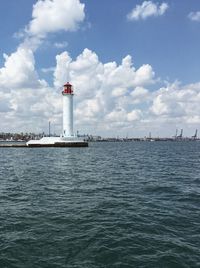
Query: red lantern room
[67, 89]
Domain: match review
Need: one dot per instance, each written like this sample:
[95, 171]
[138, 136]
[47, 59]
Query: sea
[112, 205]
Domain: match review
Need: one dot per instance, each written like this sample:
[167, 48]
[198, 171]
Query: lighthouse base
[58, 142]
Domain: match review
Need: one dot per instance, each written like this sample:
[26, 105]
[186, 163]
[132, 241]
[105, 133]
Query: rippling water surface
[131, 204]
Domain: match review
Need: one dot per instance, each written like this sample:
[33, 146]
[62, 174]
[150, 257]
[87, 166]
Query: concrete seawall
[7, 145]
[61, 144]
[64, 144]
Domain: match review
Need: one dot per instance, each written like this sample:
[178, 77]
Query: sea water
[120, 204]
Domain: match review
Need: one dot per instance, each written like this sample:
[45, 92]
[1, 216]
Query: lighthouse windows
[68, 90]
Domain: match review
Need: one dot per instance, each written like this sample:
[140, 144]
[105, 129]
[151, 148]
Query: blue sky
[168, 42]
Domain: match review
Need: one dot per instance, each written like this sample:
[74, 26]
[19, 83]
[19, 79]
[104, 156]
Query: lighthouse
[67, 138]
[67, 110]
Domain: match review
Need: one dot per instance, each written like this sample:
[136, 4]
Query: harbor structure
[67, 138]
[195, 135]
[67, 110]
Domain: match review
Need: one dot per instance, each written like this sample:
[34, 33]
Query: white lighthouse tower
[67, 110]
[67, 138]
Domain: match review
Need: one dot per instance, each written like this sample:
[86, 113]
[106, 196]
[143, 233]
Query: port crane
[175, 136]
[180, 136]
[195, 135]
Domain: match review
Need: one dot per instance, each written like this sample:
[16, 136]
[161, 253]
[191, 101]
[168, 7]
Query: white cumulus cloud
[50, 16]
[109, 98]
[103, 92]
[19, 70]
[147, 9]
[28, 102]
[104, 96]
[175, 101]
[194, 16]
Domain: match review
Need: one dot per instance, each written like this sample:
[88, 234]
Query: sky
[134, 66]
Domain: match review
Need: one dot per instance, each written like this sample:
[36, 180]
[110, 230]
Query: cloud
[103, 92]
[5, 106]
[139, 94]
[51, 16]
[19, 70]
[174, 102]
[147, 9]
[194, 16]
[48, 70]
[61, 44]
[122, 117]
[28, 101]
[62, 69]
[109, 98]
